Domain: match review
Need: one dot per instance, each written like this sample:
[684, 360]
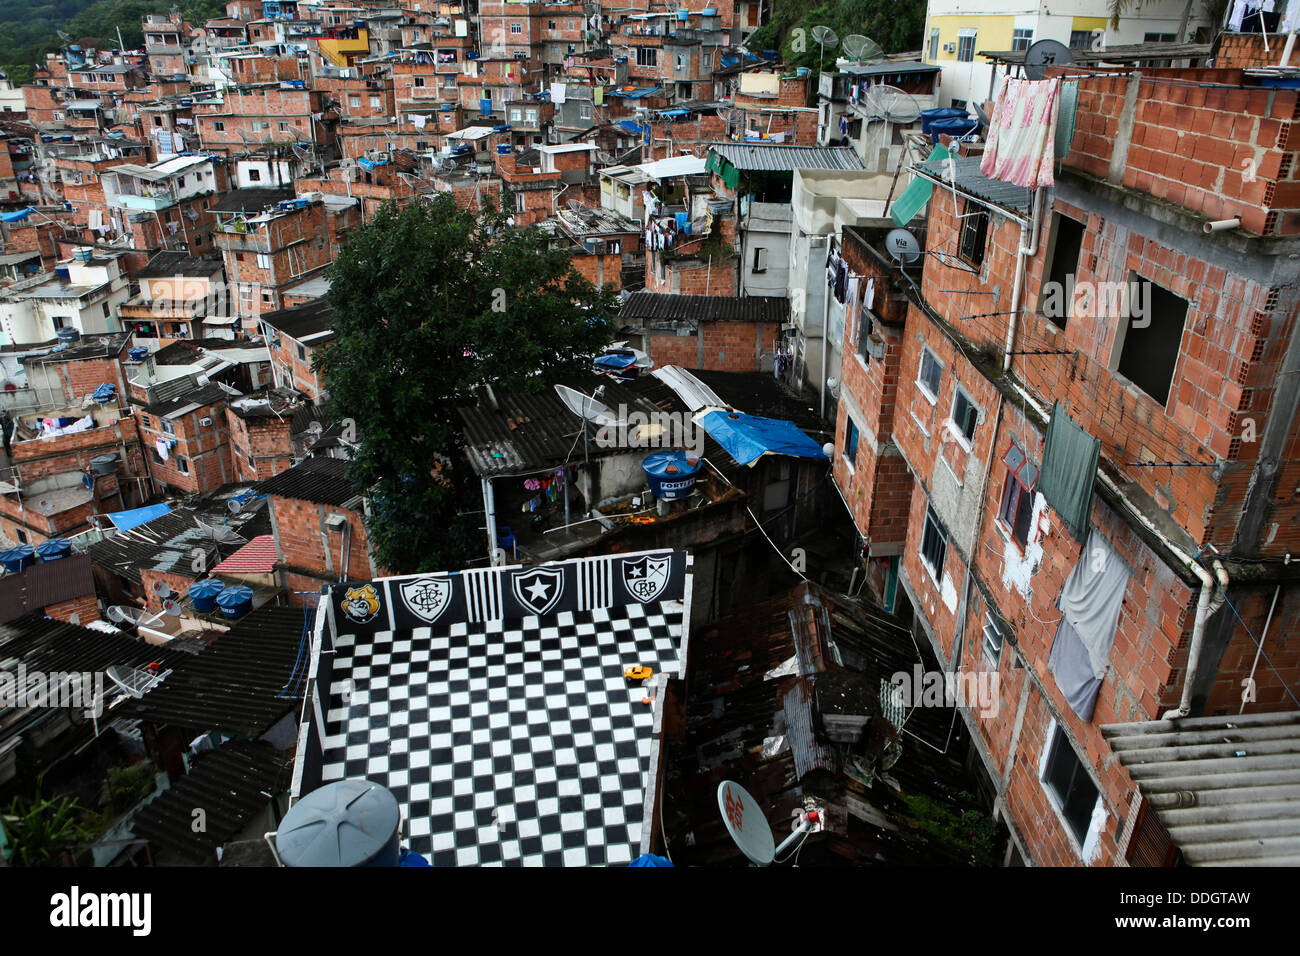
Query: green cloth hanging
[913, 199]
[1069, 105]
[1069, 470]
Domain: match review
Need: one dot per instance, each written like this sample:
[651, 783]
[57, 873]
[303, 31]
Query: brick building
[293, 335]
[185, 432]
[1072, 450]
[713, 333]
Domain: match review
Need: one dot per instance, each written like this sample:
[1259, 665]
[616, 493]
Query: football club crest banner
[511, 593]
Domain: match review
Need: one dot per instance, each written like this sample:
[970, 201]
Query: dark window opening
[1149, 352]
[974, 236]
[851, 442]
[1017, 507]
[1066, 248]
[1071, 785]
[964, 415]
[934, 544]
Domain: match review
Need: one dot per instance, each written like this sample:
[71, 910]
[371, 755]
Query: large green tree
[430, 301]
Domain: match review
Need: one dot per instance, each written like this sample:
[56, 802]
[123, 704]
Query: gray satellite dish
[172, 609]
[1045, 53]
[825, 37]
[902, 246]
[587, 407]
[161, 588]
[861, 49]
[135, 681]
[234, 506]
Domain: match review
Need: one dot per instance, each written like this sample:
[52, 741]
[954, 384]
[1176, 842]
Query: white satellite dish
[748, 827]
[825, 37]
[171, 608]
[125, 614]
[134, 681]
[584, 406]
[902, 246]
[161, 588]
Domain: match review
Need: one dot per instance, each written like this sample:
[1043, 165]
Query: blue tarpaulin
[747, 438]
[125, 520]
[616, 360]
[370, 163]
[16, 215]
[105, 393]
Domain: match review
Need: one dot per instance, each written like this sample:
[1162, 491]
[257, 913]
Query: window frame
[1059, 744]
[932, 524]
[966, 54]
[975, 226]
[965, 440]
[852, 437]
[931, 394]
[1022, 42]
[992, 640]
[1017, 492]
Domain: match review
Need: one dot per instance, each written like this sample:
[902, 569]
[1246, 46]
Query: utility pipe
[1259, 649]
[489, 507]
[1017, 285]
[1221, 225]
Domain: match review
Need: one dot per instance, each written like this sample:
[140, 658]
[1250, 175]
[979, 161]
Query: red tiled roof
[256, 557]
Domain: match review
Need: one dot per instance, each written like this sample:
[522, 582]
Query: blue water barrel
[137, 353]
[928, 117]
[18, 558]
[683, 14]
[204, 593]
[345, 823]
[671, 473]
[68, 334]
[54, 549]
[503, 149]
[957, 126]
[235, 601]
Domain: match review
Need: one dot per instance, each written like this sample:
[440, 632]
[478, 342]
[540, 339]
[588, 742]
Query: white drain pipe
[1017, 285]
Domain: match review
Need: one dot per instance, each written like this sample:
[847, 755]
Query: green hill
[895, 24]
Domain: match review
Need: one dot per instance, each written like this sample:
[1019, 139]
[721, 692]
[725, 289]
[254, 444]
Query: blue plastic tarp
[616, 360]
[747, 438]
[125, 520]
[16, 215]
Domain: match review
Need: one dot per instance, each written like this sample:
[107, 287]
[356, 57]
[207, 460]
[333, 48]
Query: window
[105, 308]
[254, 175]
[681, 62]
[1148, 352]
[354, 101]
[992, 641]
[1017, 508]
[302, 354]
[550, 24]
[965, 415]
[760, 260]
[419, 81]
[263, 260]
[59, 322]
[934, 44]
[1160, 38]
[168, 427]
[929, 375]
[182, 465]
[974, 235]
[157, 121]
[1067, 243]
[706, 60]
[1081, 39]
[516, 28]
[934, 545]
[958, 104]
[1066, 780]
[851, 434]
[374, 103]
[267, 298]
[219, 126]
[22, 535]
[966, 46]
[144, 420]
[647, 56]
[516, 116]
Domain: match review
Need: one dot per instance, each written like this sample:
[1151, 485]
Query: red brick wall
[301, 547]
[205, 447]
[266, 441]
[80, 610]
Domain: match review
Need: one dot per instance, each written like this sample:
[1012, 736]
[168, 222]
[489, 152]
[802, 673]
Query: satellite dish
[746, 823]
[1045, 53]
[171, 608]
[234, 506]
[161, 588]
[134, 681]
[902, 246]
[890, 104]
[825, 37]
[584, 406]
[315, 428]
[861, 49]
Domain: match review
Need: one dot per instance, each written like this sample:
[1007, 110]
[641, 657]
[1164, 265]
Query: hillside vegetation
[895, 24]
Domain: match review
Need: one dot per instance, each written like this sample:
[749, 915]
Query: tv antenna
[825, 37]
[748, 827]
[861, 49]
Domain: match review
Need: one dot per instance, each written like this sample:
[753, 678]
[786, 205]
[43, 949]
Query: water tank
[345, 823]
[18, 558]
[104, 464]
[671, 474]
[955, 126]
[235, 601]
[83, 255]
[68, 334]
[54, 549]
[204, 593]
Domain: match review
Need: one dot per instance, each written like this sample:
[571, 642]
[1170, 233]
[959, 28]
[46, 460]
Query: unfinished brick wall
[261, 448]
[301, 539]
[205, 449]
[80, 610]
[717, 346]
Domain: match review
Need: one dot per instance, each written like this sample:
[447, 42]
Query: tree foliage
[895, 24]
[430, 301]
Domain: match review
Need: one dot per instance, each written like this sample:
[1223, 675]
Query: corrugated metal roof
[243, 683]
[970, 180]
[780, 158]
[886, 67]
[310, 318]
[665, 307]
[233, 784]
[319, 480]
[45, 583]
[1224, 787]
[1123, 53]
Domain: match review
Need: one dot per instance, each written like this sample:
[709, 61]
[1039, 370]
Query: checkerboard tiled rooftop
[511, 740]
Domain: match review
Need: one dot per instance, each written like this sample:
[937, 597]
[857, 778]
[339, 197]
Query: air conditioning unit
[950, 48]
[205, 422]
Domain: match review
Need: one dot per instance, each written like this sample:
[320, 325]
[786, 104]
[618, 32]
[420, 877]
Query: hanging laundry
[1022, 133]
[161, 446]
[841, 281]
[869, 294]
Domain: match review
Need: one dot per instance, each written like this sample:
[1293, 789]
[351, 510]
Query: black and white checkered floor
[506, 743]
